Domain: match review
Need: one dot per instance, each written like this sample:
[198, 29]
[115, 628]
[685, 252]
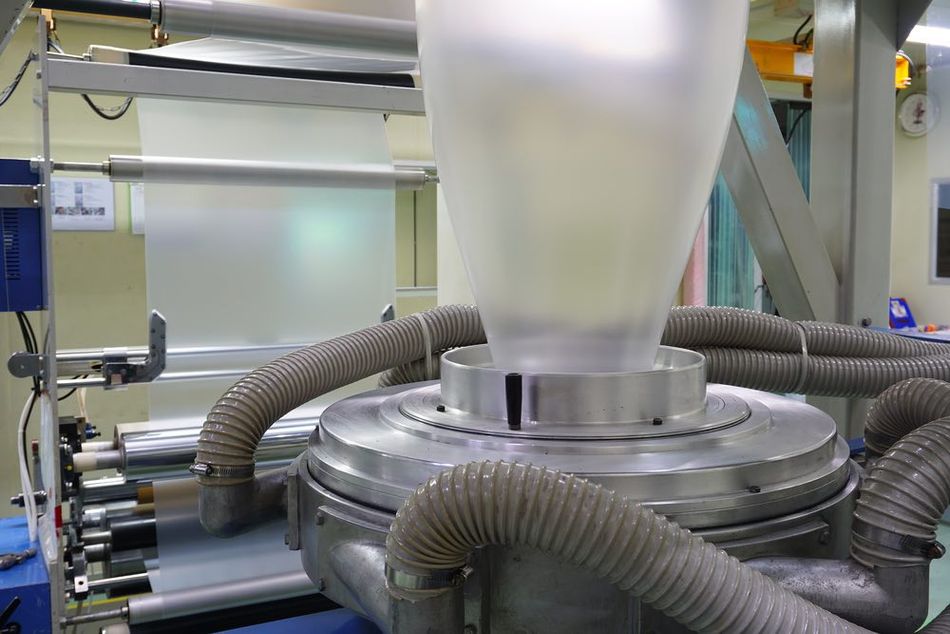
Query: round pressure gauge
[918, 114]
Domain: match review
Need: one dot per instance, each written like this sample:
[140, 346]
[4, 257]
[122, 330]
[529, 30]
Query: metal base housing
[756, 473]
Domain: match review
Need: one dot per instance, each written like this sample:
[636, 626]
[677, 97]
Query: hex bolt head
[321, 518]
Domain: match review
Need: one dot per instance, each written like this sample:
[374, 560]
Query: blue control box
[26, 584]
[21, 245]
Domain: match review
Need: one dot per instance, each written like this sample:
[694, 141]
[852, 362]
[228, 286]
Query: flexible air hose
[412, 372]
[764, 352]
[722, 327]
[238, 420]
[902, 500]
[581, 523]
[902, 408]
[823, 375]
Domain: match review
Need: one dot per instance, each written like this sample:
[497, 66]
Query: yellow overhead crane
[785, 61]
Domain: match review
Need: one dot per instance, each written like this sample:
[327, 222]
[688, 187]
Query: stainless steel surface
[775, 212]
[116, 583]
[885, 600]
[674, 390]
[224, 18]
[93, 617]
[779, 457]
[73, 166]
[163, 169]
[16, 196]
[167, 452]
[167, 605]
[117, 79]
[107, 489]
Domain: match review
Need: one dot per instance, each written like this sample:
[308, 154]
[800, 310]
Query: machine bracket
[113, 363]
[19, 196]
[25, 365]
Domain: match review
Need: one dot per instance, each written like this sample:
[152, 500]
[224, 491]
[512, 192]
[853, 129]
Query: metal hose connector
[902, 408]
[902, 500]
[678, 573]
[851, 377]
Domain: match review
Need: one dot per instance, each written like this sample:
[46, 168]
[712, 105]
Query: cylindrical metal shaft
[167, 605]
[163, 169]
[140, 9]
[245, 21]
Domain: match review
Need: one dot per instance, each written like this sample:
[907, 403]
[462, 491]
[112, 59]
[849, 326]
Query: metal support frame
[67, 75]
[909, 13]
[769, 197]
[49, 429]
[830, 260]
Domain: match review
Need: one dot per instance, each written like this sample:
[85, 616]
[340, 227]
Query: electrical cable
[12, 86]
[801, 27]
[791, 131]
[26, 482]
[109, 113]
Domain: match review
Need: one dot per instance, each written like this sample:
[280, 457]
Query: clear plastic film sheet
[233, 266]
[577, 145]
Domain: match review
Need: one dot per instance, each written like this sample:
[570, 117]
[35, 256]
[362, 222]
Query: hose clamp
[803, 375]
[437, 580]
[907, 544]
[427, 340]
[222, 471]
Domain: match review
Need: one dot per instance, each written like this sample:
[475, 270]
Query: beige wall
[100, 277]
[916, 162]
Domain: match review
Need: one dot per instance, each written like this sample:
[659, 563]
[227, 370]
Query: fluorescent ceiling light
[930, 35]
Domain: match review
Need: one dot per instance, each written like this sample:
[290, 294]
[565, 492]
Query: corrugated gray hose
[581, 523]
[239, 419]
[231, 499]
[902, 408]
[764, 352]
[902, 500]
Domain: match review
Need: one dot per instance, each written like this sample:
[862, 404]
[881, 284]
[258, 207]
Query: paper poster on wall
[82, 204]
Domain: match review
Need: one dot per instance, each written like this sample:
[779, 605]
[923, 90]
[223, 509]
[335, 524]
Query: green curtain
[731, 279]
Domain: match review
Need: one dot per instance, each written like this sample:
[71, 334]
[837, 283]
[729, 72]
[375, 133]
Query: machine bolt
[470, 629]
[824, 537]
[321, 518]
[657, 421]
[440, 408]
[286, 539]
[755, 489]
[321, 584]
[866, 322]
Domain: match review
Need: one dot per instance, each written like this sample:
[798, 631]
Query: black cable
[110, 114]
[29, 412]
[8, 91]
[791, 131]
[801, 27]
